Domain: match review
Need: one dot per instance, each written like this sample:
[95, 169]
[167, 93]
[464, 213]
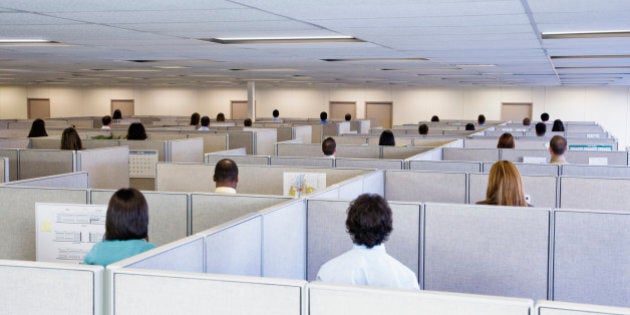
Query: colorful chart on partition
[300, 184]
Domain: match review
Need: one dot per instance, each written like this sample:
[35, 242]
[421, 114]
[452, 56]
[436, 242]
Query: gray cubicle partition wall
[374, 182]
[351, 139]
[99, 143]
[285, 133]
[542, 190]
[481, 142]
[516, 155]
[13, 156]
[67, 180]
[390, 164]
[609, 171]
[400, 140]
[462, 154]
[37, 163]
[156, 134]
[328, 238]
[17, 209]
[235, 247]
[612, 158]
[241, 139]
[447, 166]
[594, 193]
[4, 169]
[327, 299]
[168, 214]
[212, 142]
[143, 145]
[486, 250]
[591, 258]
[421, 186]
[303, 133]
[108, 167]
[389, 152]
[50, 288]
[15, 143]
[45, 143]
[294, 149]
[212, 159]
[303, 161]
[265, 141]
[564, 308]
[185, 177]
[185, 150]
[530, 168]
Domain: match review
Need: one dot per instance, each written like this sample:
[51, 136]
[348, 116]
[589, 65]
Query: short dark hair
[106, 120]
[136, 132]
[194, 119]
[117, 114]
[387, 138]
[38, 129]
[544, 116]
[369, 220]
[506, 141]
[470, 126]
[541, 128]
[558, 145]
[323, 115]
[205, 121]
[348, 117]
[329, 145]
[557, 125]
[526, 121]
[127, 216]
[226, 170]
[435, 118]
[247, 122]
[220, 117]
[423, 129]
[275, 113]
[481, 119]
[70, 139]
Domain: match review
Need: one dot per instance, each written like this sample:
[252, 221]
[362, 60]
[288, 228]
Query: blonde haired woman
[505, 187]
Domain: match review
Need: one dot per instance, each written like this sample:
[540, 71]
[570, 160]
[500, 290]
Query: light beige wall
[291, 102]
[13, 102]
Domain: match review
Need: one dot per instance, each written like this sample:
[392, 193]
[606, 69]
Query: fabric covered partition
[108, 167]
[486, 250]
[542, 190]
[402, 152]
[447, 166]
[52, 143]
[292, 149]
[184, 177]
[265, 141]
[67, 180]
[38, 163]
[241, 139]
[391, 164]
[12, 155]
[143, 145]
[235, 248]
[212, 159]
[591, 258]
[594, 193]
[530, 168]
[612, 171]
[374, 183]
[583, 157]
[516, 155]
[459, 154]
[303, 133]
[358, 151]
[425, 186]
[564, 308]
[302, 161]
[4, 169]
[186, 150]
[187, 255]
[212, 142]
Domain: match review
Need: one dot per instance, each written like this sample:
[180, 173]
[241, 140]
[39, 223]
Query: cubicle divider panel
[531, 143]
[187, 255]
[4, 169]
[530, 168]
[400, 140]
[16, 143]
[68, 180]
[285, 133]
[516, 155]
[108, 167]
[53, 143]
[241, 139]
[284, 241]
[327, 299]
[50, 288]
[266, 140]
[585, 157]
[425, 186]
[605, 171]
[204, 294]
[38, 163]
[459, 154]
[302, 161]
[403, 152]
[293, 149]
[100, 143]
[235, 249]
[481, 142]
[327, 236]
[591, 257]
[212, 142]
[164, 135]
[168, 214]
[185, 177]
[486, 250]
[594, 193]
[304, 133]
[186, 150]
[564, 308]
[542, 190]
[351, 139]
[374, 183]
[358, 151]
[446, 166]
[350, 189]
[212, 159]
[17, 209]
[144, 145]
[370, 163]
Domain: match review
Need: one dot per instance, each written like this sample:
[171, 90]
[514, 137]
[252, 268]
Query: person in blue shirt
[323, 118]
[126, 229]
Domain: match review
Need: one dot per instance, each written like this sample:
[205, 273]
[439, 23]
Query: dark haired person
[323, 118]
[126, 229]
[347, 117]
[544, 117]
[527, 121]
[470, 127]
[329, 147]
[70, 139]
[369, 224]
[435, 118]
[194, 120]
[136, 132]
[107, 122]
[205, 122]
[481, 120]
[276, 115]
[541, 129]
[247, 122]
[557, 147]
[423, 130]
[38, 129]
[226, 176]
[117, 115]
[506, 141]
[220, 117]
[387, 138]
[557, 126]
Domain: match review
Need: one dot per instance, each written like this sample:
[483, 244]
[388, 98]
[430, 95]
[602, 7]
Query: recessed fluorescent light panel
[283, 40]
[591, 57]
[376, 59]
[267, 70]
[29, 42]
[590, 34]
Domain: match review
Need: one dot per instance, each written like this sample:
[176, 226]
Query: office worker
[527, 121]
[506, 141]
[557, 125]
[541, 129]
[544, 117]
[220, 117]
[505, 187]
[136, 132]
[117, 115]
[387, 138]
[435, 118]
[70, 139]
[481, 120]
[347, 117]
[107, 122]
[276, 115]
[38, 129]
[369, 223]
[205, 122]
[194, 120]
[329, 147]
[423, 130]
[323, 118]
[247, 122]
[470, 127]
[557, 147]
[226, 176]
[126, 229]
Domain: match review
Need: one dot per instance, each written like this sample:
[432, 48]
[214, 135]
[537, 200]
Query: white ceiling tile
[115, 5]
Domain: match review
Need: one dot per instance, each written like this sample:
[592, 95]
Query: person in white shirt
[329, 147]
[369, 223]
[107, 121]
[205, 122]
[226, 176]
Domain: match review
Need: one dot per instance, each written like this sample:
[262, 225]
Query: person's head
[329, 146]
[541, 128]
[275, 113]
[505, 187]
[220, 117]
[136, 132]
[106, 120]
[527, 121]
[423, 129]
[348, 117]
[247, 122]
[369, 221]
[194, 119]
[435, 118]
[557, 145]
[557, 125]
[387, 138]
[544, 117]
[205, 121]
[38, 129]
[323, 116]
[481, 119]
[506, 141]
[470, 126]
[70, 139]
[117, 114]
[226, 173]
[127, 216]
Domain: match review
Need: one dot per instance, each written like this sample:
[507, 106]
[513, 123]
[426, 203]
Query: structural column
[251, 100]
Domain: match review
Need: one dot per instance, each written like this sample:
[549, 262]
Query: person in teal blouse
[126, 229]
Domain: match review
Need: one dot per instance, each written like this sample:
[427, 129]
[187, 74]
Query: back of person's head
[557, 125]
[220, 117]
[136, 132]
[541, 128]
[205, 121]
[127, 216]
[505, 187]
[106, 120]
[70, 139]
[470, 126]
[369, 220]
[387, 138]
[506, 141]
[481, 119]
[275, 113]
[435, 118]
[247, 122]
[544, 117]
[329, 146]
[194, 119]
[226, 173]
[527, 121]
[348, 117]
[323, 115]
[558, 145]
[38, 129]
[423, 129]
[117, 114]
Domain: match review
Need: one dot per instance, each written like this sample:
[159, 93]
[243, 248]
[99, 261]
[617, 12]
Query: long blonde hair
[505, 187]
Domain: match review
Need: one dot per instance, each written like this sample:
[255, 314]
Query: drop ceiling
[403, 43]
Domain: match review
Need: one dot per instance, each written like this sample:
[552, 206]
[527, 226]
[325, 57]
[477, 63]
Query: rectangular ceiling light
[420, 69]
[590, 34]
[376, 59]
[283, 40]
[266, 70]
[29, 42]
[593, 67]
[591, 57]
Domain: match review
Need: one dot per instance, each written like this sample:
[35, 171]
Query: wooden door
[381, 112]
[239, 110]
[38, 108]
[338, 110]
[126, 107]
[516, 111]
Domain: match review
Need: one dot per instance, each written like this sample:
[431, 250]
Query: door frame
[28, 107]
[354, 115]
[391, 104]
